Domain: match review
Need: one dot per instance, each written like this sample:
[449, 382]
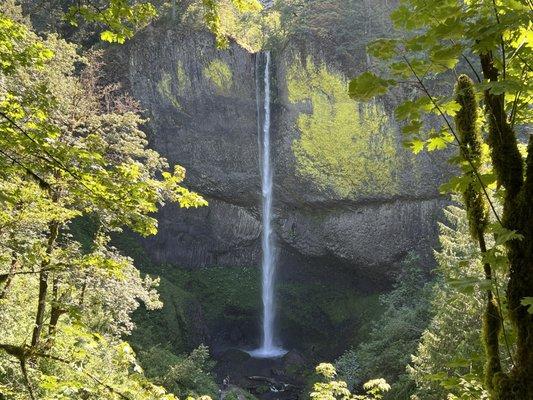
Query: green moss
[181, 78]
[321, 310]
[346, 146]
[241, 394]
[169, 326]
[164, 87]
[220, 290]
[466, 122]
[219, 73]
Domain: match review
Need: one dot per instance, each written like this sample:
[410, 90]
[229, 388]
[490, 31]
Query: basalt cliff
[349, 200]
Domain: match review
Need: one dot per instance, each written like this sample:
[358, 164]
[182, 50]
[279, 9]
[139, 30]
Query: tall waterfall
[268, 348]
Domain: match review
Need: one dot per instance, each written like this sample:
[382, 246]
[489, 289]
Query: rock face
[346, 192]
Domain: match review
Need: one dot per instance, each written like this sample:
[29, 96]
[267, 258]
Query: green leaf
[108, 36]
[247, 5]
[403, 18]
[505, 86]
[450, 107]
[456, 184]
[459, 363]
[504, 235]
[528, 302]
[383, 49]
[488, 179]
[451, 28]
[445, 56]
[413, 126]
[439, 142]
[416, 145]
[411, 109]
[466, 285]
[367, 85]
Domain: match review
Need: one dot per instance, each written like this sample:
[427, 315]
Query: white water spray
[268, 348]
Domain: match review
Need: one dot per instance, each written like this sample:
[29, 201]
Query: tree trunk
[56, 310]
[43, 283]
[517, 216]
[10, 275]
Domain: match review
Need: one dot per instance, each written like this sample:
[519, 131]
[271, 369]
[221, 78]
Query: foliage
[394, 335]
[68, 151]
[495, 36]
[238, 394]
[116, 21]
[202, 300]
[120, 17]
[219, 73]
[331, 389]
[347, 147]
[437, 371]
[184, 376]
[340, 29]
[437, 36]
[213, 20]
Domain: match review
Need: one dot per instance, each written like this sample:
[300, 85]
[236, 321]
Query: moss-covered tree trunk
[471, 144]
[517, 216]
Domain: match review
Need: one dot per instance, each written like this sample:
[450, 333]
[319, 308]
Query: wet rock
[293, 360]
[236, 356]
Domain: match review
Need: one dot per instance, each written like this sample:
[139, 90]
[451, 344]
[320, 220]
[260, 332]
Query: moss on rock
[346, 146]
[219, 73]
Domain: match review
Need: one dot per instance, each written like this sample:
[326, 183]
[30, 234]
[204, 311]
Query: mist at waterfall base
[268, 348]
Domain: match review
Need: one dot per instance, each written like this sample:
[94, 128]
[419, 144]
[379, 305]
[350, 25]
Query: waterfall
[268, 267]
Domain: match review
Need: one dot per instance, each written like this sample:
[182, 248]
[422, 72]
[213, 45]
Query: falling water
[268, 348]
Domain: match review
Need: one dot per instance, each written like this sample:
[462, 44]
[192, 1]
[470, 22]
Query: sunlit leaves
[528, 302]
[383, 48]
[416, 145]
[435, 368]
[65, 156]
[503, 235]
[367, 85]
[510, 86]
[326, 370]
[449, 107]
[436, 141]
[111, 37]
[467, 285]
[17, 49]
[212, 20]
[120, 17]
[445, 57]
[440, 141]
[247, 5]
[441, 36]
[456, 184]
[212, 17]
[403, 18]
[413, 109]
[331, 389]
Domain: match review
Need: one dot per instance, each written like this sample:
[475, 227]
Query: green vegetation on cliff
[219, 73]
[348, 147]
